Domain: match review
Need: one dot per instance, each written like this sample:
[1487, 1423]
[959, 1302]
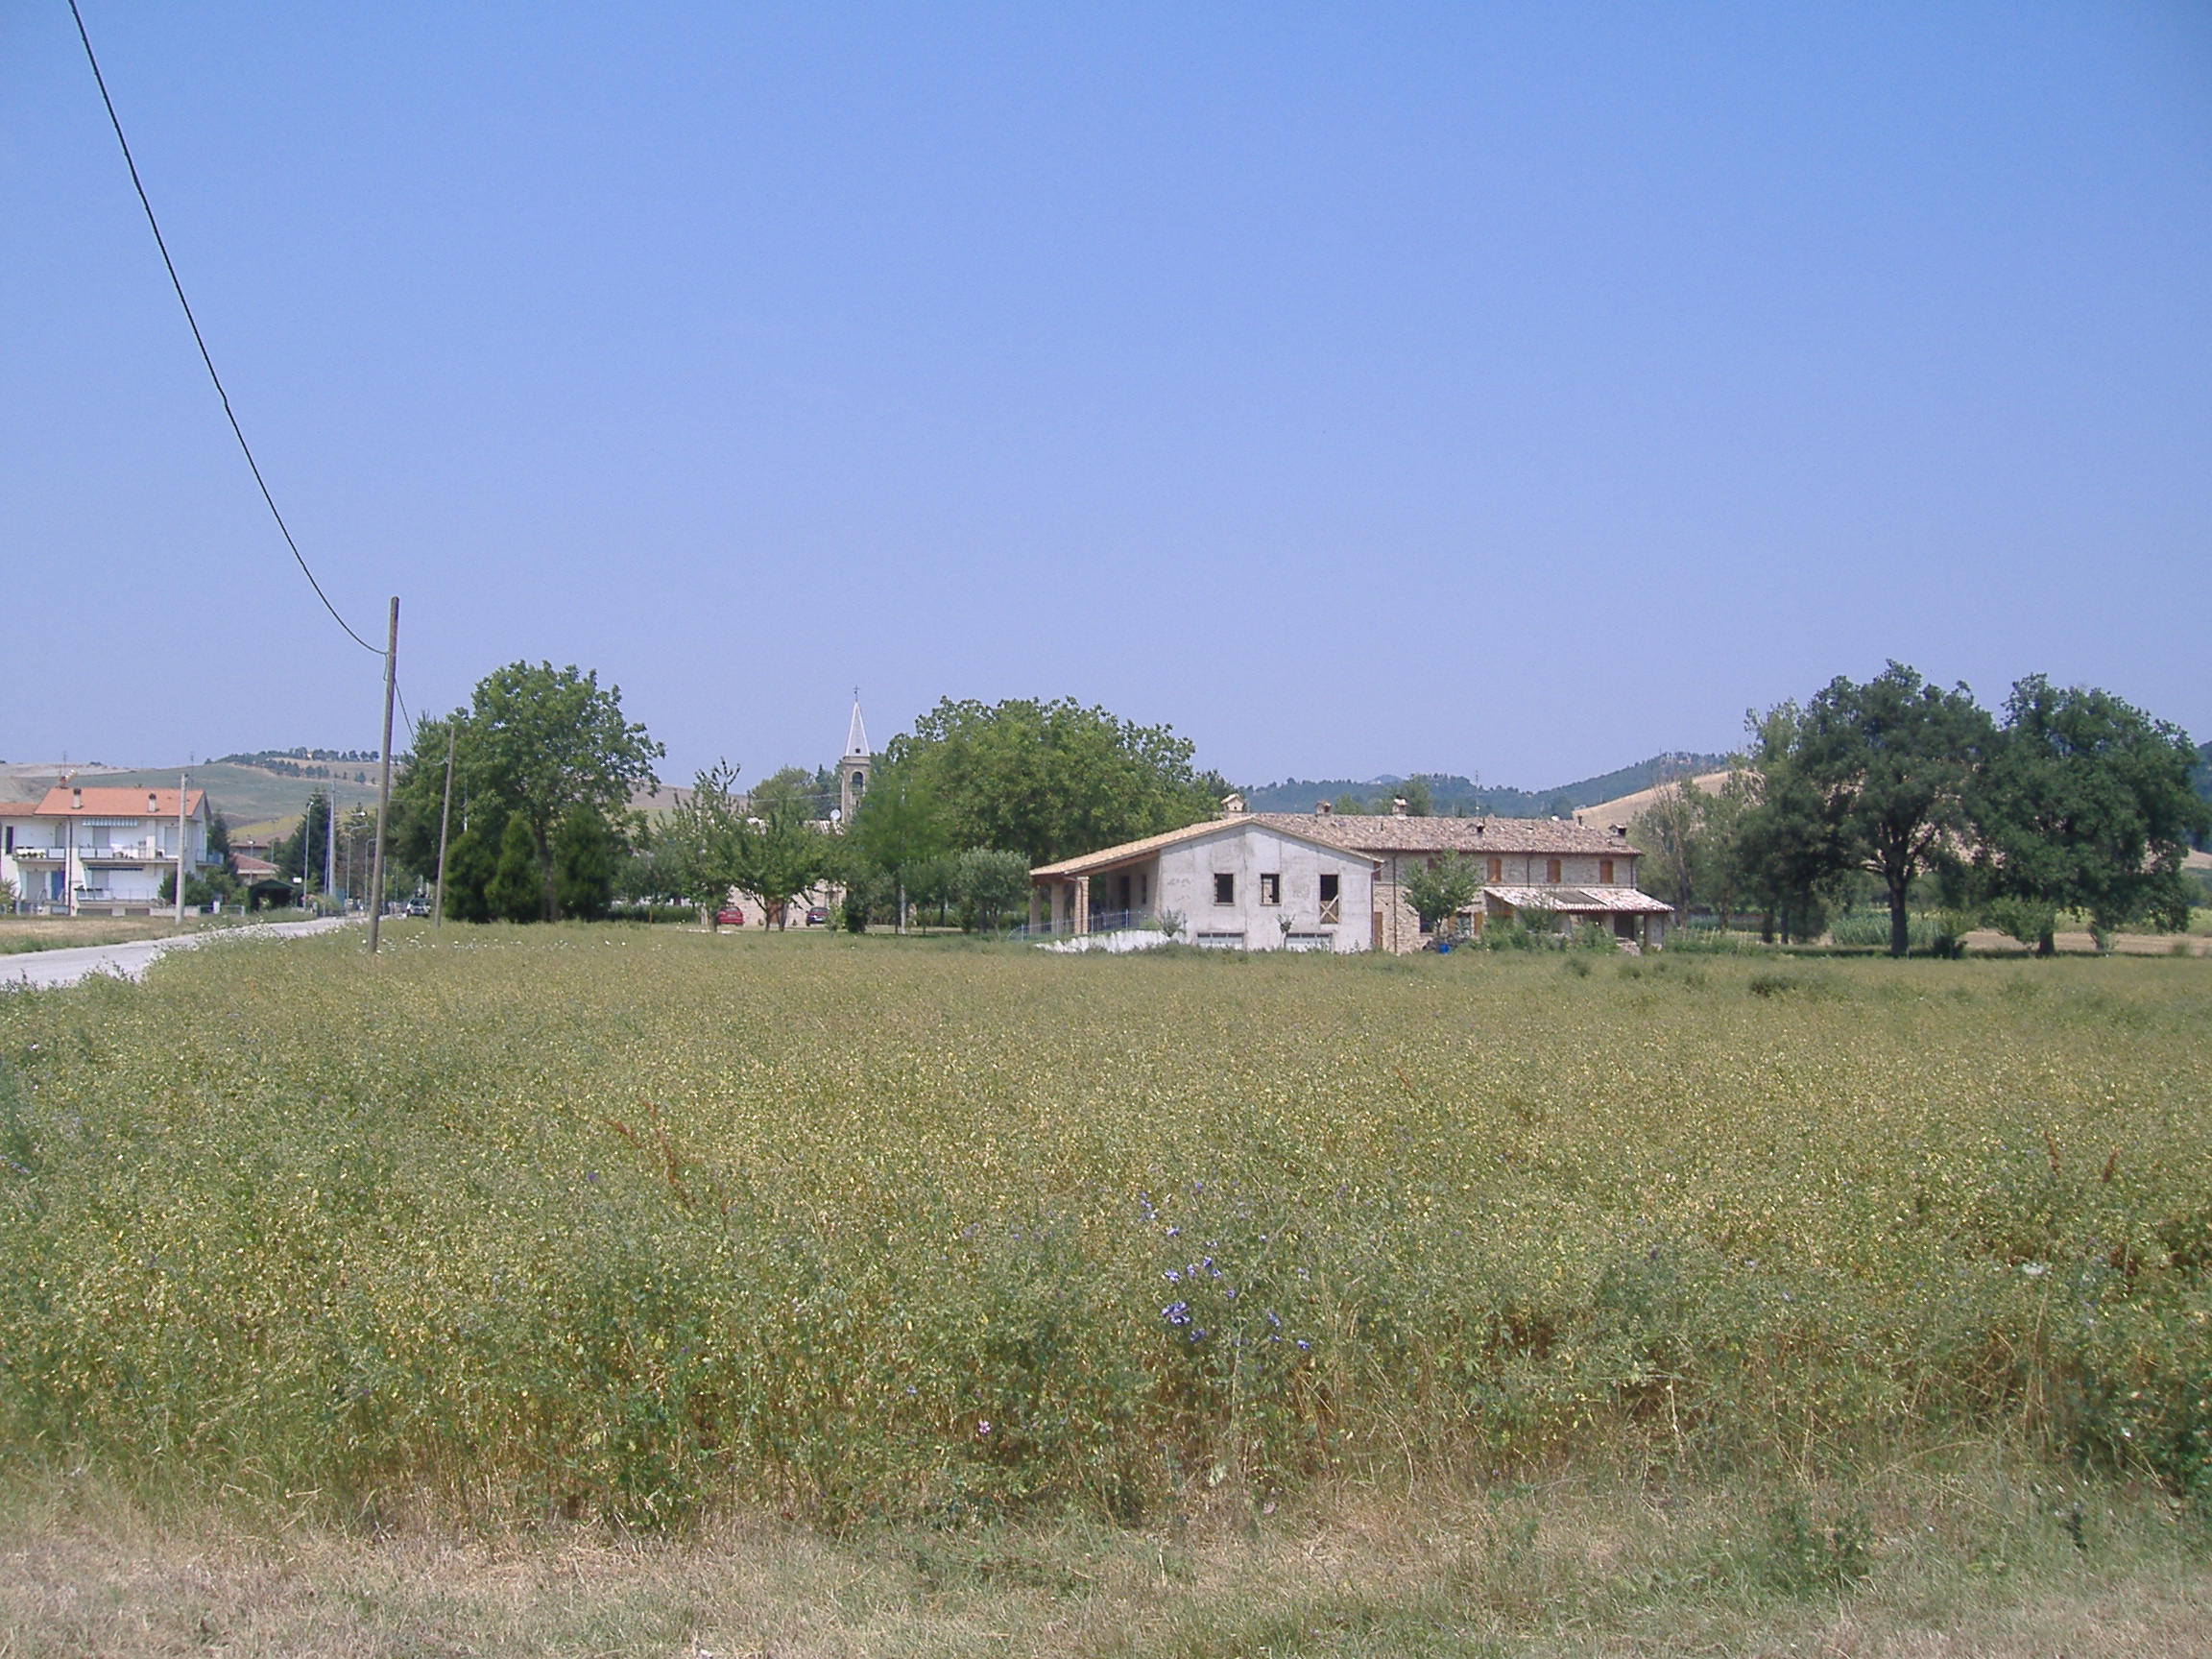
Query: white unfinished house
[1242, 882]
[1330, 882]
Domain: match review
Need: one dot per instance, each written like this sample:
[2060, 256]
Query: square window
[1224, 889]
[1270, 889]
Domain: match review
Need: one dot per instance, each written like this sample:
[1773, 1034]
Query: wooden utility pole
[444, 818]
[384, 776]
[181, 776]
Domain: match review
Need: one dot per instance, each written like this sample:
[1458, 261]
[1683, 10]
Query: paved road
[45, 968]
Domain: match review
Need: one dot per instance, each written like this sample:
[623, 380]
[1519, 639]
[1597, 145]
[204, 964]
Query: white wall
[1248, 852]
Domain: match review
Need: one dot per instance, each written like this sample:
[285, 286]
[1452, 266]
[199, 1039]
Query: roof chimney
[153, 805]
[77, 799]
[1398, 807]
[1232, 802]
[1322, 808]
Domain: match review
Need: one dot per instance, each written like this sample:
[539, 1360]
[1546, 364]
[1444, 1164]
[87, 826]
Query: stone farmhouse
[1335, 881]
[100, 849]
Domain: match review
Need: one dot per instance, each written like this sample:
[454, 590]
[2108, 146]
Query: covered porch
[1096, 896]
[1633, 918]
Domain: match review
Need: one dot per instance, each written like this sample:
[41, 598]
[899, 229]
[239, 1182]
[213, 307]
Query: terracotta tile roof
[17, 808]
[61, 802]
[1291, 824]
[252, 869]
[1392, 834]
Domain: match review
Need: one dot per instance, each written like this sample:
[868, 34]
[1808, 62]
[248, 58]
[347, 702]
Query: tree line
[955, 814]
[2068, 800]
[544, 765]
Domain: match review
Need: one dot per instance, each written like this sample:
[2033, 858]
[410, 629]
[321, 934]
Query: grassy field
[1174, 1304]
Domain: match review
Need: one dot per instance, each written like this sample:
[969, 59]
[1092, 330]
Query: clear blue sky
[1361, 389]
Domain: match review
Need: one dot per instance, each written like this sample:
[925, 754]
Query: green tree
[1348, 805]
[538, 741]
[896, 828]
[778, 859]
[1892, 761]
[1788, 851]
[1720, 836]
[584, 865]
[304, 850]
[699, 852]
[1440, 891]
[2086, 804]
[1049, 779]
[793, 791]
[472, 860]
[1670, 834]
[1415, 792]
[931, 885]
[515, 893]
[988, 887]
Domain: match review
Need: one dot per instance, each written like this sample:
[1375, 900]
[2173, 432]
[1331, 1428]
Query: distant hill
[255, 801]
[310, 763]
[1449, 793]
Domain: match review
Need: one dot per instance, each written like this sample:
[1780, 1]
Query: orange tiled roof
[63, 801]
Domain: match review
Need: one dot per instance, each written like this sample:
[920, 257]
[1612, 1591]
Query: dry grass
[1977, 1561]
[20, 933]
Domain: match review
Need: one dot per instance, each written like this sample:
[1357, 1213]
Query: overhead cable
[198, 339]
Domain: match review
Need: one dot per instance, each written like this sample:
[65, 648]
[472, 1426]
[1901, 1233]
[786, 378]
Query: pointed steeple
[854, 769]
[857, 740]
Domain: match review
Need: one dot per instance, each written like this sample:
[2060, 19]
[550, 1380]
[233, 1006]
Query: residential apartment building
[102, 850]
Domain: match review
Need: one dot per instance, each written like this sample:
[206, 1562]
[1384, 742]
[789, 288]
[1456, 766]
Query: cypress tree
[470, 862]
[516, 890]
[583, 865]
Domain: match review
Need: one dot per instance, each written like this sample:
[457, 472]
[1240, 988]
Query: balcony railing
[1101, 922]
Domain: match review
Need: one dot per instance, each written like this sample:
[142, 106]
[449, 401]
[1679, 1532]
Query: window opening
[1330, 894]
[1271, 889]
[1605, 872]
[1496, 869]
[1552, 870]
[1224, 889]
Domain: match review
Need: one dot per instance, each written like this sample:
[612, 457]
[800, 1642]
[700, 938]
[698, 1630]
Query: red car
[730, 917]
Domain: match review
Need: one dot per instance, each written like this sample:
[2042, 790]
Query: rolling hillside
[1451, 793]
[254, 800]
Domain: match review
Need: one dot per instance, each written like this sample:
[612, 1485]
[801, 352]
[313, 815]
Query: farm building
[1335, 881]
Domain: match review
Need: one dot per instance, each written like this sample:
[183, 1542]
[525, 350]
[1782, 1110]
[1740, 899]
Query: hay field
[558, 1226]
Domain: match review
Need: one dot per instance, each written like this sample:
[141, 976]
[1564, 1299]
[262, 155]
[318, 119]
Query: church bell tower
[852, 770]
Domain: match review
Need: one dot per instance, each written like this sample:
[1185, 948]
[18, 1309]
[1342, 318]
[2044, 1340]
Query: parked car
[418, 907]
[730, 917]
[818, 917]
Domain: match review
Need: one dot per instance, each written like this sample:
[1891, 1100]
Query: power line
[198, 339]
